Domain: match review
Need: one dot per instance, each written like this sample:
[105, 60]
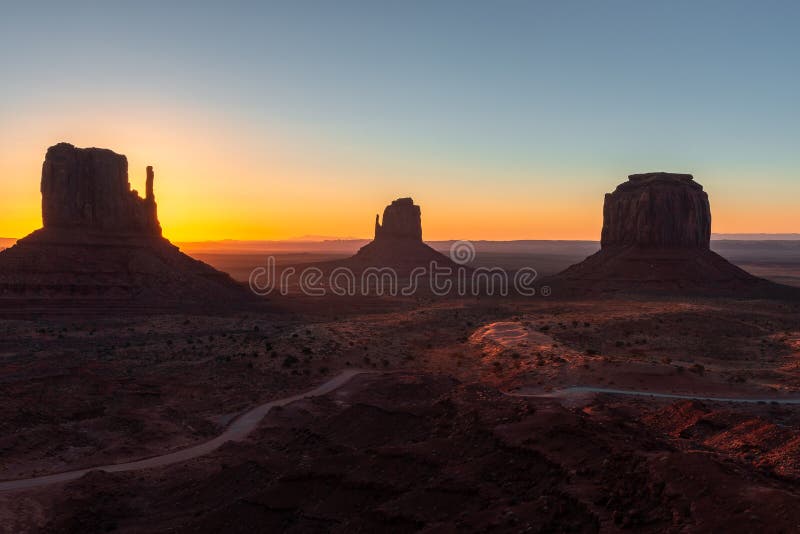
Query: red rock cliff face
[657, 210]
[88, 188]
[656, 236]
[401, 220]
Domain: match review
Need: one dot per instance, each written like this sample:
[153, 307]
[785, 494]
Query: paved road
[236, 431]
[589, 389]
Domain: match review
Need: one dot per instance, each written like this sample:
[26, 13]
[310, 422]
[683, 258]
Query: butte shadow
[101, 243]
[655, 239]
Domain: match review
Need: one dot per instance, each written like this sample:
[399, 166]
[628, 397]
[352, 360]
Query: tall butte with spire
[87, 189]
[101, 240]
[656, 236]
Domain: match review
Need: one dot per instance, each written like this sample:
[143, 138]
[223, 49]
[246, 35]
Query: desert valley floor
[473, 414]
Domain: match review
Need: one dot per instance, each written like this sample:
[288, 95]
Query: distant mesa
[398, 242]
[656, 236]
[402, 219]
[101, 240]
[657, 210]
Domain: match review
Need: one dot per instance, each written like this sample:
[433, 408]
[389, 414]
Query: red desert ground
[650, 382]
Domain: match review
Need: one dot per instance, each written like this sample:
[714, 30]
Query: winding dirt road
[239, 429]
[243, 425]
[575, 390]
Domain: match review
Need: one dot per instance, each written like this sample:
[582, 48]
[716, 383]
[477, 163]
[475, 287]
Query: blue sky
[561, 99]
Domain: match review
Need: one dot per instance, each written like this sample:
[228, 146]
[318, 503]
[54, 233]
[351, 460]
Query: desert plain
[472, 413]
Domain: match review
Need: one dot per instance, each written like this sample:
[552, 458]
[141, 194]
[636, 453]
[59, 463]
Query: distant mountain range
[774, 256]
[739, 247]
[350, 244]
[757, 237]
[228, 246]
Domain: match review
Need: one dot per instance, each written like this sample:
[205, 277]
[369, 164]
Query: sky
[503, 120]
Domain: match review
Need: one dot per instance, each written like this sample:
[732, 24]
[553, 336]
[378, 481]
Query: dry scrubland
[434, 427]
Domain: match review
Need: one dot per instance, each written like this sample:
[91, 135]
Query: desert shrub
[698, 368]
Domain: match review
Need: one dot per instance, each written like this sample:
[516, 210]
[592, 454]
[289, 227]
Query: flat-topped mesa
[657, 210]
[656, 236]
[401, 220]
[88, 188]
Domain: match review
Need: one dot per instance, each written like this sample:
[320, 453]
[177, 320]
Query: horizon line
[733, 236]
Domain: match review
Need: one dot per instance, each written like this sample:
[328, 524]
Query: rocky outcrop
[398, 243]
[656, 236]
[88, 188]
[657, 210]
[101, 242]
[402, 219]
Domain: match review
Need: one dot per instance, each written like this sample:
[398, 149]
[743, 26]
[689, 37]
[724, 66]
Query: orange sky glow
[216, 179]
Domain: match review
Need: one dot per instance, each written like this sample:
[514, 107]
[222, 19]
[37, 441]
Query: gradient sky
[504, 120]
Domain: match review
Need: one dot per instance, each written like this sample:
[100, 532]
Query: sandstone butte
[101, 241]
[656, 237]
[398, 242]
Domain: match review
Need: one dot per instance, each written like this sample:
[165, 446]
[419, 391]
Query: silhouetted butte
[101, 241]
[656, 236]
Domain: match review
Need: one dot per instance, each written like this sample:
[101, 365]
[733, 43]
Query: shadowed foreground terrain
[435, 440]
[775, 260]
